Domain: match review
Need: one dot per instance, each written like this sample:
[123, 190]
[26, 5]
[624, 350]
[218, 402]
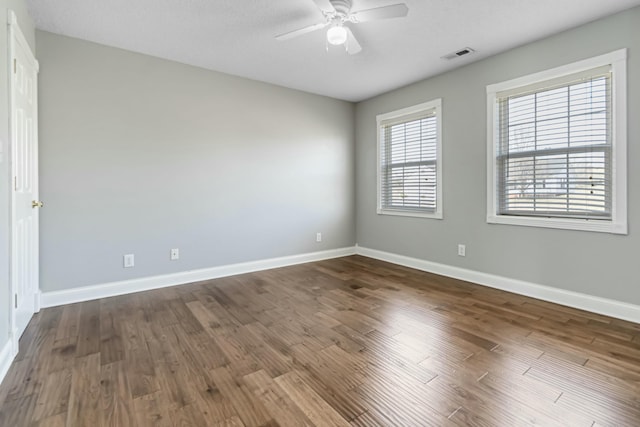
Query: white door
[24, 170]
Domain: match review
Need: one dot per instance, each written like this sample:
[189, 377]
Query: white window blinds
[409, 161]
[554, 148]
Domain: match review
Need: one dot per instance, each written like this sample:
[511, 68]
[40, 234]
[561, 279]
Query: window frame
[617, 60]
[433, 105]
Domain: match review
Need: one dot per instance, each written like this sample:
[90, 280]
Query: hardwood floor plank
[276, 401]
[240, 363]
[172, 381]
[140, 367]
[344, 401]
[53, 421]
[24, 378]
[62, 355]
[18, 412]
[53, 398]
[522, 390]
[319, 366]
[151, 410]
[626, 405]
[251, 413]
[266, 356]
[89, 330]
[313, 406]
[49, 319]
[69, 325]
[488, 404]
[84, 397]
[159, 310]
[111, 342]
[234, 309]
[602, 413]
[615, 371]
[115, 396]
[189, 415]
[207, 318]
[186, 319]
[213, 404]
[334, 336]
[36, 342]
[464, 417]
[399, 408]
[575, 374]
[197, 348]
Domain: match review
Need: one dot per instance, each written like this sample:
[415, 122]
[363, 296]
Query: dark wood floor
[344, 342]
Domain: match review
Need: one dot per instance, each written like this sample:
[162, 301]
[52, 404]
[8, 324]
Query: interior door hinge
[15, 66]
[15, 301]
[15, 183]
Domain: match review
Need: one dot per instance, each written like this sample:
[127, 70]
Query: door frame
[16, 36]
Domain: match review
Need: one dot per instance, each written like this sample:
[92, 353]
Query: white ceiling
[237, 36]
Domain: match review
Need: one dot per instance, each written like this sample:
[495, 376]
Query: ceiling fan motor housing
[342, 7]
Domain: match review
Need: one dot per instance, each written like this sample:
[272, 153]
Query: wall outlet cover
[129, 260]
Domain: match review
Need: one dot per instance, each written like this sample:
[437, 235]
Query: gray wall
[594, 263]
[26, 25]
[141, 155]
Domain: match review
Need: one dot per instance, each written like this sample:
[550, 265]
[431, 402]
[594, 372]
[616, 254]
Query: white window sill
[601, 226]
[432, 215]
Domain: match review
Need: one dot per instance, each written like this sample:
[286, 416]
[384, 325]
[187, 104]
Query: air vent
[459, 53]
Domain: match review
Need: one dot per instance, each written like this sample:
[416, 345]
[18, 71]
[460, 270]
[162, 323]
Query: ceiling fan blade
[301, 31]
[353, 46]
[324, 5]
[384, 12]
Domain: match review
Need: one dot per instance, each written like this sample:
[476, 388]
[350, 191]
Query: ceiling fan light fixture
[337, 13]
[337, 35]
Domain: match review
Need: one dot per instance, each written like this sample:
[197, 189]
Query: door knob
[36, 204]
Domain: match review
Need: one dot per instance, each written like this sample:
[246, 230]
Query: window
[409, 171]
[557, 147]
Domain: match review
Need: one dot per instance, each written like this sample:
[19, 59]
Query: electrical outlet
[175, 254]
[129, 260]
[318, 237]
[462, 250]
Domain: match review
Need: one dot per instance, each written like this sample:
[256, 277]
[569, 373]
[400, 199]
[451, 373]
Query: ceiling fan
[337, 13]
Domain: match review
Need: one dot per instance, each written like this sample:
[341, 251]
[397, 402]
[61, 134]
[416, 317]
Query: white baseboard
[6, 357]
[37, 301]
[87, 293]
[608, 307]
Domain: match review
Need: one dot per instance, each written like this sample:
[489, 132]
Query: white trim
[607, 307]
[618, 223]
[563, 70]
[415, 214]
[436, 106]
[87, 293]
[15, 342]
[37, 301]
[619, 138]
[562, 223]
[6, 358]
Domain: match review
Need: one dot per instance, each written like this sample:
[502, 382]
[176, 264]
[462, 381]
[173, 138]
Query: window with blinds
[409, 167]
[558, 147]
[554, 151]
